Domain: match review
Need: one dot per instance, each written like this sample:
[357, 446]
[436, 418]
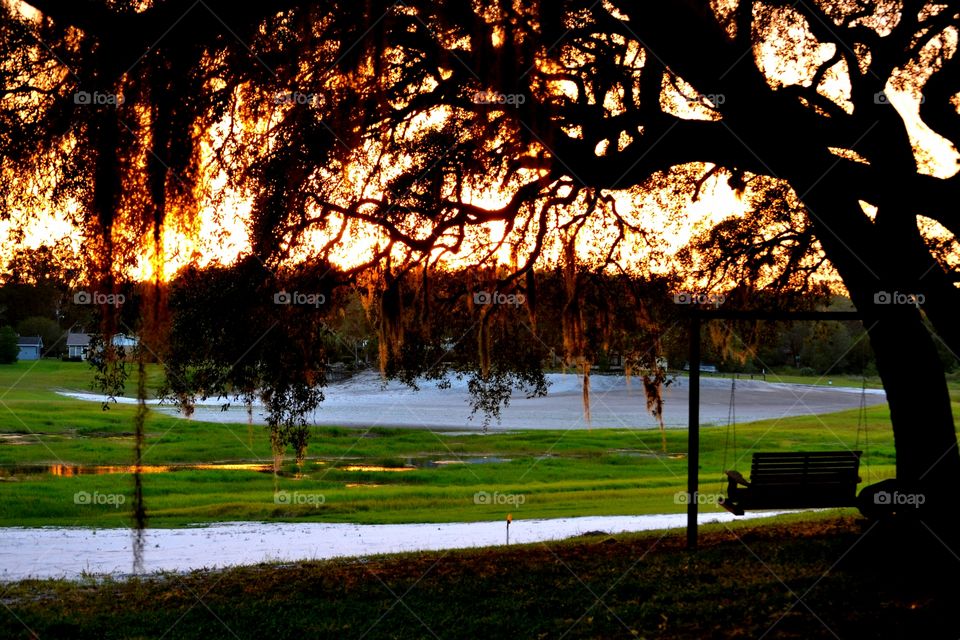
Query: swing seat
[798, 480]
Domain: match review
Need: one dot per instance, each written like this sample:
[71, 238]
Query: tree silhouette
[9, 351]
[338, 116]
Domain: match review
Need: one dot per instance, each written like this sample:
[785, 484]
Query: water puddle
[464, 460]
[643, 453]
[364, 400]
[70, 470]
[36, 437]
[412, 464]
[72, 553]
[375, 468]
[471, 432]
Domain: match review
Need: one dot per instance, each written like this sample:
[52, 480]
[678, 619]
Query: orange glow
[788, 55]
[375, 468]
[69, 471]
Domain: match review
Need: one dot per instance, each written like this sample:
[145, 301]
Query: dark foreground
[796, 579]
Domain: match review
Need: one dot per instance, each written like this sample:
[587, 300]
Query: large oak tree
[328, 114]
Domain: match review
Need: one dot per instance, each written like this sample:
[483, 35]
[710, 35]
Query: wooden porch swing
[793, 480]
[778, 480]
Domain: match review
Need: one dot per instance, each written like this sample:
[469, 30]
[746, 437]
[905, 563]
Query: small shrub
[9, 351]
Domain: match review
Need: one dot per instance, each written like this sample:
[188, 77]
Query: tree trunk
[919, 400]
[928, 460]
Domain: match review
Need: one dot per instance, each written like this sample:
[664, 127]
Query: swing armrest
[736, 478]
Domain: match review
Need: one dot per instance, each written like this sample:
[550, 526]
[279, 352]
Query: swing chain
[862, 424]
[731, 427]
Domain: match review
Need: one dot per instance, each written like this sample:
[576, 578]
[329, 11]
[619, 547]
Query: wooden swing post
[697, 318]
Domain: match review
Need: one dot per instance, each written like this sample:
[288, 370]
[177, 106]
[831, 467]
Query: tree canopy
[507, 135]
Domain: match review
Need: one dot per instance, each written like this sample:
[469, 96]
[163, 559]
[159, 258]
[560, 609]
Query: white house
[125, 341]
[77, 345]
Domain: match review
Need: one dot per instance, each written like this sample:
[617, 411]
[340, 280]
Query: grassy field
[820, 578]
[809, 575]
[557, 473]
[791, 377]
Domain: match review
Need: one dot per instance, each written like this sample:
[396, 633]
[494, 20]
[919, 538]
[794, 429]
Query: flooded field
[67, 552]
[71, 470]
[365, 401]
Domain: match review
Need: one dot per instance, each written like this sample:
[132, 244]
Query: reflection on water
[639, 453]
[466, 460]
[373, 467]
[70, 470]
[413, 464]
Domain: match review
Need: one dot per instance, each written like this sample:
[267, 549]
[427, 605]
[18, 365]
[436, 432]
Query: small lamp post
[509, 520]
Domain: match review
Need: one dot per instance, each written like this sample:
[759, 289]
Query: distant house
[31, 347]
[614, 360]
[125, 341]
[704, 368]
[78, 344]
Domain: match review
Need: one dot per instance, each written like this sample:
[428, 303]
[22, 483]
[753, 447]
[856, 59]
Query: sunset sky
[219, 235]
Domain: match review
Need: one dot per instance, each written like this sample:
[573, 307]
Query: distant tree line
[42, 293]
[617, 322]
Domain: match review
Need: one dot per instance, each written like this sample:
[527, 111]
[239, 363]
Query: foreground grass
[820, 578]
[553, 473]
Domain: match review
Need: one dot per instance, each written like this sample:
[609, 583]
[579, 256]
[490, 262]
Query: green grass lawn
[543, 473]
[841, 380]
[793, 578]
